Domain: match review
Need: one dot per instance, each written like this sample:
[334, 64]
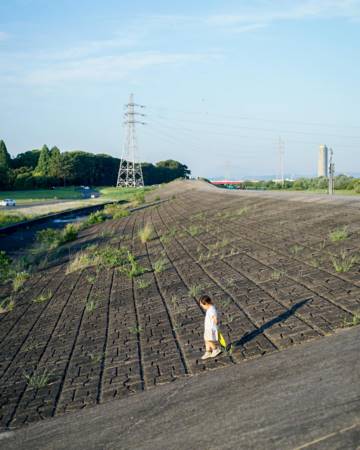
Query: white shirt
[211, 329]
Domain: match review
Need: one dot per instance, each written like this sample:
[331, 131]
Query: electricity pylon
[130, 172]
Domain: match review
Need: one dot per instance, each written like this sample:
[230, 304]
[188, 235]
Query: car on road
[8, 202]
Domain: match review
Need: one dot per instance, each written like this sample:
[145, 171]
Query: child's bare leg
[212, 345]
[208, 347]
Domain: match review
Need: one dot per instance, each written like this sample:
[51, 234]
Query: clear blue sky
[222, 80]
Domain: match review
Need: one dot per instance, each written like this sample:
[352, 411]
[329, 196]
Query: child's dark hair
[205, 300]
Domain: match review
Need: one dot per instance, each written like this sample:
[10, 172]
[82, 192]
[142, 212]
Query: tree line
[44, 168]
[341, 182]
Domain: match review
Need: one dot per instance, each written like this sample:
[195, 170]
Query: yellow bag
[222, 341]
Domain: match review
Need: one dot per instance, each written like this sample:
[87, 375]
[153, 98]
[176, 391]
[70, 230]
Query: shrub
[49, 237]
[70, 233]
[54, 238]
[146, 233]
[115, 211]
[5, 264]
[9, 219]
[19, 280]
[95, 217]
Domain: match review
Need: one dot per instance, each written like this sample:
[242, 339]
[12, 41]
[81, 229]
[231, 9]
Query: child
[212, 347]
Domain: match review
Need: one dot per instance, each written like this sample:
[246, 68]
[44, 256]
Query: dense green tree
[343, 182]
[5, 171]
[66, 168]
[55, 163]
[178, 170]
[24, 180]
[27, 159]
[5, 158]
[42, 168]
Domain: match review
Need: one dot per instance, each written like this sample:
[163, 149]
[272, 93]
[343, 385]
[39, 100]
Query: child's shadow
[249, 336]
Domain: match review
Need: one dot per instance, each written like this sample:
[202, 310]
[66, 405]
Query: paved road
[20, 205]
[307, 397]
[308, 197]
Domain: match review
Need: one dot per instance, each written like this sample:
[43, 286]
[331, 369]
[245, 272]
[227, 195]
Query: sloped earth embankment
[267, 263]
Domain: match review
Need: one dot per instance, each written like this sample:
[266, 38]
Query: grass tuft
[115, 211]
[19, 280]
[90, 305]
[344, 262]
[7, 305]
[5, 266]
[44, 297]
[143, 284]
[135, 330]
[194, 290]
[193, 230]
[296, 249]
[339, 234]
[132, 268]
[95, 217]
[352, 323]
[159, 265]
[38, 379]
[276, 275]
[146, 233]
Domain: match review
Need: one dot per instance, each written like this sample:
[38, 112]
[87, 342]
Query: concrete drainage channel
[16, 237]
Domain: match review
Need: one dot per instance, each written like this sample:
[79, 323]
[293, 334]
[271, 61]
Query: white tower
[323, 161]
[130, 172]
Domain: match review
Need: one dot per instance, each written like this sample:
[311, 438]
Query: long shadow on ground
[281, 318]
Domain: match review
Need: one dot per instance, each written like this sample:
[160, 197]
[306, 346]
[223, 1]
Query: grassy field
[113, 193]
[38, 195]
[69, 193]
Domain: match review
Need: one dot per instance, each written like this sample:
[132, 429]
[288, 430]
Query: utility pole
[331, 173]
[130, 172]
[281, 150]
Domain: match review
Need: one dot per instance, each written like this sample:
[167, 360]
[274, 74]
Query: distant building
[323, 161]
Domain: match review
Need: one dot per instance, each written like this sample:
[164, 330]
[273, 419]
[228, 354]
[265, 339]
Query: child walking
[211, 333]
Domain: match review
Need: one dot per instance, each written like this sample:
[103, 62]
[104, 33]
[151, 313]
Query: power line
[240, 127]
[258, 119]
[227, 134]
